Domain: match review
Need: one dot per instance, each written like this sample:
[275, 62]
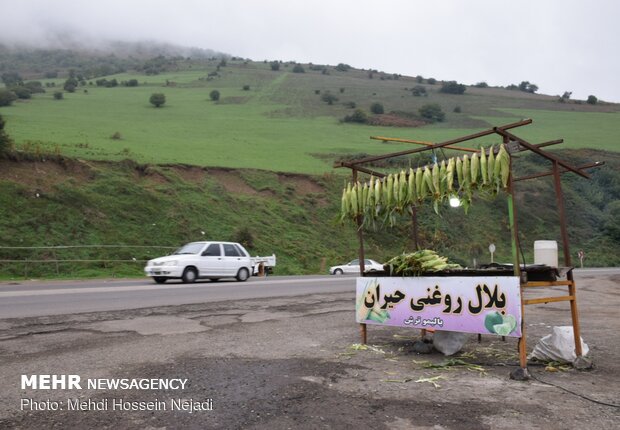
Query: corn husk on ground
[381, 199]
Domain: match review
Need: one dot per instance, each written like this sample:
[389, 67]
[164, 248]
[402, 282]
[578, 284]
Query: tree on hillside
[452, 87]
[7, 97]
[275, 66]
[329, 98]
[342, 67]
[5, 141]
[157, 99]
[592, 100]
[377, 108]
[432, 112]
[299, 69]
[419, 91]
[214, 95]
[358, 116]
[11, 79]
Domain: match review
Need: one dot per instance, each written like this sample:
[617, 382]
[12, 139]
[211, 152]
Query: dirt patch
[302, 185]
[390, 120]
[44, 175]
[193, 174]
[234, 183]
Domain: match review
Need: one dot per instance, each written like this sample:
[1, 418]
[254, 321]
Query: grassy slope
[280, 124]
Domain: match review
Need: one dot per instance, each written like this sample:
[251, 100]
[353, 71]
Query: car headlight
[171, 263]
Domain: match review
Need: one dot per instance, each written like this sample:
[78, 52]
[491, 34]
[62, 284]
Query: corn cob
[390, 191]
[419, 180]
[402, 189]
[411, 192]
[466, 174]
[475, 169]
[353, 201]
[504, 162]
[483, 166]
[344, 205]
[450, 173]
[443, 174]
[427, 184]
[498, 166]
[364, 201]
[459, 172]
[491, 165]
[435, 178]
[370, 200]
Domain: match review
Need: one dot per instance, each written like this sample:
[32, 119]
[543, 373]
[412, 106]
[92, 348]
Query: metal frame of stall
[514, 144]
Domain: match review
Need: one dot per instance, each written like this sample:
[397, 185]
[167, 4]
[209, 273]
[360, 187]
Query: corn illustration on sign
[478, 304]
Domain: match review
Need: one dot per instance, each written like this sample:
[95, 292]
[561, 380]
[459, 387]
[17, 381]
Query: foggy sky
[560, 45]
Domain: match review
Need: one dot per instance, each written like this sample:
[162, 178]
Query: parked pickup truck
[268, 264]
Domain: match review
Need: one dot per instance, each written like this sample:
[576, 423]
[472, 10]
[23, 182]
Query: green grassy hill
[262, 159]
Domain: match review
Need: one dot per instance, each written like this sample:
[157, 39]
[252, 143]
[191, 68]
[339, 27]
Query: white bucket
[546, 252]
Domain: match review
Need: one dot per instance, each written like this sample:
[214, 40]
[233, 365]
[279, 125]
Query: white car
[210, 260]
[354, 267]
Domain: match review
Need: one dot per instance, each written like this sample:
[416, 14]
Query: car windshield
[190, 248]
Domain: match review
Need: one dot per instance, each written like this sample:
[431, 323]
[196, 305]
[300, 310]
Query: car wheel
[338, 272]
[159, 279]
[189, 275]
[243, 274]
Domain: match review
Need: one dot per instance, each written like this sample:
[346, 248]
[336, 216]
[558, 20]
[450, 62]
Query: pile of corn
[417, 263]
[381, 198]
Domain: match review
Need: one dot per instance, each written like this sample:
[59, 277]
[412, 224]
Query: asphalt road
[41, 298]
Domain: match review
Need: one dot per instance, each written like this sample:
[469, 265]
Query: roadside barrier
[67, 259]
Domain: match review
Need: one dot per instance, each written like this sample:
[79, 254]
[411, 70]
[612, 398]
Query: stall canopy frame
[514, 144]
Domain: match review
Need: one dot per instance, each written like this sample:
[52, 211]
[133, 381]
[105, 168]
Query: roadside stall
[422, 289]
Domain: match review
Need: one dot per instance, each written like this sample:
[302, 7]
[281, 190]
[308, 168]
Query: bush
[341, 67]
[341, 90]
[246, 88]
[452, 87]
[132, 83]
[350, 105]
[22, 92]
[419, 91]
[358, 116]
[58, 95]
[592, 100]
[5, 140]
[457, 109]
[70, 85]
[157, 99]
[481, 85]
[7, 97]
[214, 95]
[376, 108]
[431, 81]
[419, 79]
[432, 112]
[245, 237]
[116, 136]
[275, 66]
[329, 98]
[299, 69]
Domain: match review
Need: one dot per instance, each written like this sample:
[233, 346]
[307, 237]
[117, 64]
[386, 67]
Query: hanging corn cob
[383, 198]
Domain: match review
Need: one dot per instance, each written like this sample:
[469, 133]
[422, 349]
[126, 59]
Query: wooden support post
[364, 333]
[572, 290]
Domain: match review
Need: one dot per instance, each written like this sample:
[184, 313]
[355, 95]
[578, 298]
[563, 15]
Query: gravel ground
[296, 362]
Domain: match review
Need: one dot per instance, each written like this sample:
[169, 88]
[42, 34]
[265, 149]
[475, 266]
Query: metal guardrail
[58, 261]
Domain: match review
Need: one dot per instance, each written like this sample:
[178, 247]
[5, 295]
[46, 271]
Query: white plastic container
[546, 252]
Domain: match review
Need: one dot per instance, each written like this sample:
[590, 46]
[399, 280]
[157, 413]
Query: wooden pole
[572, 290]
[360, 235]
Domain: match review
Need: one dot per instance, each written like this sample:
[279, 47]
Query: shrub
[358, 116]
[5, 140]
[132, 83]
[7, 97]
[432, 112]
[58, 95]
[341, 67]
[157, 99]
[350, 105]
[592, 100]
[317, 92]
[457, 109]
[299, 69]
[431, 81]
[214, 95]
[22, 92]
[116, 136]
[481, 85]
[418, 91]
[419, 79]
[245, 237]
[376, 108]
[246, 87]
[341, 90]
[452, 87]
[275, 66]
[329, 98]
